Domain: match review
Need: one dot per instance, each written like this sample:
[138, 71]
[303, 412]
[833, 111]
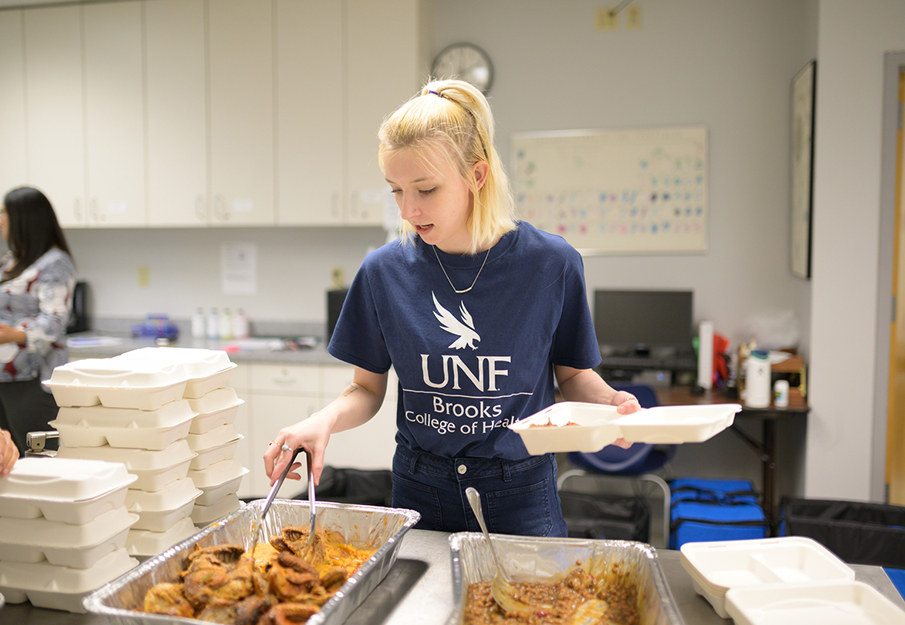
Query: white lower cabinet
[369, 446]
[279, 395]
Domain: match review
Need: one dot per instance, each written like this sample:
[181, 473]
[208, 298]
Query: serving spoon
[500, 587]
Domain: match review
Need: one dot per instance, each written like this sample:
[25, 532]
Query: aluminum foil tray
[363, 526]
[547, 559]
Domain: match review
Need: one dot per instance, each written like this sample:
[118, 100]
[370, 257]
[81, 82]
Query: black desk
[766, 447]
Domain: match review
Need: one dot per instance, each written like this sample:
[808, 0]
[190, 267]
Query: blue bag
[709, 510]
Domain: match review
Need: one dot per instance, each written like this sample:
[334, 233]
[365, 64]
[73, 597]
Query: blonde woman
[476, 312]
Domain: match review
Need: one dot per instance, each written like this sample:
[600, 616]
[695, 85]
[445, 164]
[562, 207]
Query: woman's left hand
[625, 403]
[9, 334]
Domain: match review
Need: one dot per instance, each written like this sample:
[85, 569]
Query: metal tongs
[259, 523]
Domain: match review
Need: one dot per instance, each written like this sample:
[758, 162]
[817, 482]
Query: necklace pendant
[455, 290]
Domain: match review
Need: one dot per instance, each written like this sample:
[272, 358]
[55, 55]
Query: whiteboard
[641, 191]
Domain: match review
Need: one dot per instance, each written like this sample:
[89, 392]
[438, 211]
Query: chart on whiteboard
[615, 192]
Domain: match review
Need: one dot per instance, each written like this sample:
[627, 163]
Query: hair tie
[435, 93]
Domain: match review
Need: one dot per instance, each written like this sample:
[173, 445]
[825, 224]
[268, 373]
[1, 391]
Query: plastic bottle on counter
[781, 393]
[757, 380]
[213, 324]
[226, 325]
[241, 328]
[198, 325]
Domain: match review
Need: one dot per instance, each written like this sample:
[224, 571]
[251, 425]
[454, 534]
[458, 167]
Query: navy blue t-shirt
[469, 364]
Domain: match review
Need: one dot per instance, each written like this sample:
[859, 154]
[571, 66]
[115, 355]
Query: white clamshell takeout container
[214, 437]
[207, 457]
[675, 425]
[719, 566]
[117, 383]
[59, 587]
[827, 603]
[205, 515]
[217, 474]
[586, 427]
[94, 426]
[224, 479]
[135, 460]
[144, 544]
[219, 407]
[153, 469]
[28, 534]
[170, 497]
[64, 490]
[206, 369]
[362, 526]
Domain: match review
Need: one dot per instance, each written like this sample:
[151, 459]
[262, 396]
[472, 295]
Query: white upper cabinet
[385, 65]
[12, 102]
[241, 112]
[55, 126]
[114, 107]
[309, 49]
[176, 113]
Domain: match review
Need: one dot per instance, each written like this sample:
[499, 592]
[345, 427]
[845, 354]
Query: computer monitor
[630, 322]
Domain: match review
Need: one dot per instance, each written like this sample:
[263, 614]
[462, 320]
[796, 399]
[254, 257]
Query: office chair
[636, 463]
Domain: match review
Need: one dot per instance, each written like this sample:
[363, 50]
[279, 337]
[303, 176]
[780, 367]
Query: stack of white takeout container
[215, 470]
[63, 530]
[782, 580]
[167, 415]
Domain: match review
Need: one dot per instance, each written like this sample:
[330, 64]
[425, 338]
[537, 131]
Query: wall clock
[467, 62]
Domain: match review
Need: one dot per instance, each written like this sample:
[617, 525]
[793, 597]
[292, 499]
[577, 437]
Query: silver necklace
[460, 291]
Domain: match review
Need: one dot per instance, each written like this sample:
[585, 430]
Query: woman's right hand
[312, 434]
[8, 453]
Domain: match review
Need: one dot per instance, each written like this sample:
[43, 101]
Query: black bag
[355, 486]
[605, 517]
[857, 532]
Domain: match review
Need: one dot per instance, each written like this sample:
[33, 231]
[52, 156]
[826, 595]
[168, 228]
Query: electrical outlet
[144, 277]
[633, 17]
[607, 19]
[338, 277]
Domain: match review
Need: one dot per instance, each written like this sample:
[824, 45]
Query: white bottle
[198, 325]
[213, 324]
[226, 325]
[240, 325]
[757, 380]
[781, 393]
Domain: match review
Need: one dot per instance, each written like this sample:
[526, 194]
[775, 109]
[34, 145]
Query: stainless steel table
[418, 591]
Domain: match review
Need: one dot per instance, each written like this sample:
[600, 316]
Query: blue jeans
[517, 497]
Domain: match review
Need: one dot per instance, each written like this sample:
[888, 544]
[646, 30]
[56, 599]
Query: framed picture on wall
[803, 95]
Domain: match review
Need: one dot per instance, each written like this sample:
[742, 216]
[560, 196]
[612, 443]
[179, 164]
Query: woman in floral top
[37, 278]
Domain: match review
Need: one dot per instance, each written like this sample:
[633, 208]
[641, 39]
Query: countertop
[418, 590]
[258, 349]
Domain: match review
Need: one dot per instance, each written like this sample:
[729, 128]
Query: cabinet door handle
[200, 208]
[77, 209]
[94, 214]
[220, 208]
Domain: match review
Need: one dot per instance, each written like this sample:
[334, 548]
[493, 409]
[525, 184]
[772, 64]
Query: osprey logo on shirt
[462, 328]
